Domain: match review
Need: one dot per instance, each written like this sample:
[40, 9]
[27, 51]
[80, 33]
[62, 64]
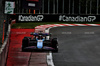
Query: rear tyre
[25, 42]
[55, 44]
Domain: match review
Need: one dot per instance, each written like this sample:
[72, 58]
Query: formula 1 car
[40, 41]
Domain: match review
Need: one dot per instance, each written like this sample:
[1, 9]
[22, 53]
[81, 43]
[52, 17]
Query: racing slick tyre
[55, 44]
[25, 42]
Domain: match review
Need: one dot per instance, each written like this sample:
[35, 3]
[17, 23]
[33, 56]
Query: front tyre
[25, 42]
[55, 44]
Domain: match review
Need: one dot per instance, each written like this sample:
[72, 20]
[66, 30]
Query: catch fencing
[3, 26]
[64, 7]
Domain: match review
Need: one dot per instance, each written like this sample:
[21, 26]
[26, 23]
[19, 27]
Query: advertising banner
[9, 7]
[56, 18]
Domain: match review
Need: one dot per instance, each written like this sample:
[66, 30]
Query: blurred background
[70, 7]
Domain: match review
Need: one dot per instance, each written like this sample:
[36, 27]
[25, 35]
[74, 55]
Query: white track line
[50, 59]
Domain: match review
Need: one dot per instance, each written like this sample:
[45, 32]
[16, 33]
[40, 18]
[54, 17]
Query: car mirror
[50, 34]
[31, 33]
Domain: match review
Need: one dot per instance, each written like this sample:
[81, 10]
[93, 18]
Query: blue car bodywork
[39, 41]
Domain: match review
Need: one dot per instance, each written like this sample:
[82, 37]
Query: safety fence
[4, 49]
[63, 7]
[4, 22]
[3, 29]
[1, 22]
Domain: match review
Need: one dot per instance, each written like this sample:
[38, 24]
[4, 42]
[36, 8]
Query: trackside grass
[34, 24]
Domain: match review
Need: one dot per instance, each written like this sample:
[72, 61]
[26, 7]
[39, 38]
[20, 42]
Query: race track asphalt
[78, 46]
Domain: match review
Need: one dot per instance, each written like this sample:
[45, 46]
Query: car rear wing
[44, 34]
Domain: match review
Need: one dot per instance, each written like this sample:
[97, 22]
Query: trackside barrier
[4, 49]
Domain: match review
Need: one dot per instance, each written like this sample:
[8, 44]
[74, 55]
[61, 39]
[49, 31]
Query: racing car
[40, 41]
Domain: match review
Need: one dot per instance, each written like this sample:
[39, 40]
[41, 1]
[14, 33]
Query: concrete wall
[4, 49]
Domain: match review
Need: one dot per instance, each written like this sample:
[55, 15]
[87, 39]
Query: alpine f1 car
[40, 41]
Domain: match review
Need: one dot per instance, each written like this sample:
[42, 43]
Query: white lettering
[77, 18]
[30, 18]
